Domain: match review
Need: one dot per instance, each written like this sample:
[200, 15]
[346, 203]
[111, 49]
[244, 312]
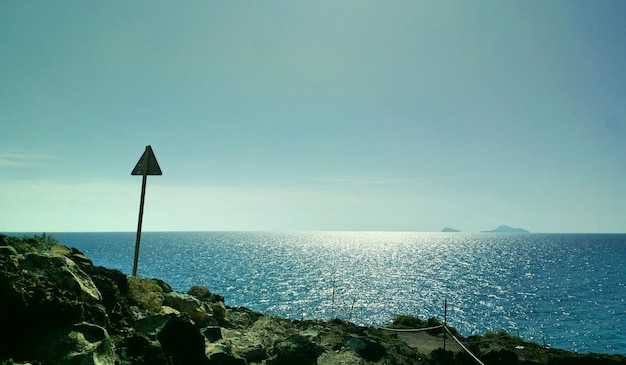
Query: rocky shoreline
[58, 308]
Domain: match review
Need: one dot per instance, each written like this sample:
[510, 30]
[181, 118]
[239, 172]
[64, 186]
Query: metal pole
[143, 195]
[445, 321]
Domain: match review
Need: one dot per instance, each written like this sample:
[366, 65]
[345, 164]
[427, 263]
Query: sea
[561, 290]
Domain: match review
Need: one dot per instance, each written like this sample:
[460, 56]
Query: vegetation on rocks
[64, 310]
[403, 321]
[146, 294]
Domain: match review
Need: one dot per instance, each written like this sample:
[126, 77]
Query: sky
[313, 115]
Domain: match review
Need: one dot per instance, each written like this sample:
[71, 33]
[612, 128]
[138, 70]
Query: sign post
[147, 165]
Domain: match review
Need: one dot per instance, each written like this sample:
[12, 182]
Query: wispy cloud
[20, 158]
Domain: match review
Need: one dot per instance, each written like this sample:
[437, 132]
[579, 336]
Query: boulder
[152, 324]
[165, 287]
[253, 353]
[366, 348]
[443, 357]
[43, 290]
[71, 253]
[82, 343]
[240, 317]
[294, 349]
[8, 251]
[250, 345]
[64, 272]
[502, 356]
[182, 342]
[221, 354]
[113, 286]
[203, 293]
[212, 333]
[138, 349]
[218, 310]
[199, 311]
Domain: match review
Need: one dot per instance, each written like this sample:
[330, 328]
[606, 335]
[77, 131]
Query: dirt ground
[426, 343]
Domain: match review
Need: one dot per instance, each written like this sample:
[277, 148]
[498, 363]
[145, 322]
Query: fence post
[445, 321]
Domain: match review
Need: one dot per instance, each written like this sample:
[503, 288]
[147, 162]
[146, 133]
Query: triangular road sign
[150, 160]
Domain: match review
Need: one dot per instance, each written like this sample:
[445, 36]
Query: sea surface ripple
[564, 290]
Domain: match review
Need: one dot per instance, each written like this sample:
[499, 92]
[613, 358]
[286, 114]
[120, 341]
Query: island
[448, 229]
[506, 229]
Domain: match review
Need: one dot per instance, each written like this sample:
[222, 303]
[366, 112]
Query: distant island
[448, 229]
[506, 229]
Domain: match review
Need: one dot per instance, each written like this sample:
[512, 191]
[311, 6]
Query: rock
[443, 357]
[71, 253]
[218, 309]
[8, 251]
[221, 354]
[165, 287]
[63, 272]
[203, 293]
[79, 258]
[295, 349]
[152, 324]
[199, 312]
[240, 317]
[226, 359]
[250, 344]
[502, 356]
[366, 348]
[138, 349]
[212, 333]
[113, 287]
[43, 291]
[182, 342]
[9, 257]
[60, 310]
[83, 343]
[168, 310]
[253, 353]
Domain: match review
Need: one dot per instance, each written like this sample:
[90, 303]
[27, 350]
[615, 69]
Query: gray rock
[182, 342]
[367, 349]
[165, 287]
[203, 293]
[253, 353]
[212, 333]
[222, 354]
[218, 309]
[151, 324]
[295, 349]
[502, 356]
[138, 349]
[83, 344]
[240, 317]
[199, 311]
[8, 251]
[64, 272]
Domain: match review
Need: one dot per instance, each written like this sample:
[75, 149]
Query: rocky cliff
[58, 308]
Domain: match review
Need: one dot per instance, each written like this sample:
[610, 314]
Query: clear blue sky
[321, 115]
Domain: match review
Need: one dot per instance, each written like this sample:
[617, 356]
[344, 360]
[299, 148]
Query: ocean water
[565, 290]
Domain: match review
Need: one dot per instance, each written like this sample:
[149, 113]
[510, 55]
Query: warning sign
[147, 159]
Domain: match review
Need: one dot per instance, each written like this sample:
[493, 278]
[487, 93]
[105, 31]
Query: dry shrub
[145, 294]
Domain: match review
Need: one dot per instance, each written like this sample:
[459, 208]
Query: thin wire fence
[434, 328]
[463, 346]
